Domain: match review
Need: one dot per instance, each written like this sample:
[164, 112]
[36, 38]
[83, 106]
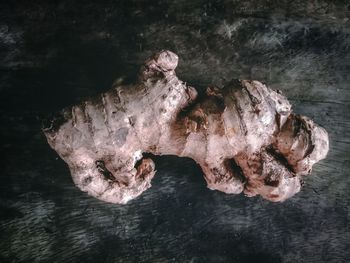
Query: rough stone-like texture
[244, 136]
[53, 54]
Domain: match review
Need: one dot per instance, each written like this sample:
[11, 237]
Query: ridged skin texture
[244, 136]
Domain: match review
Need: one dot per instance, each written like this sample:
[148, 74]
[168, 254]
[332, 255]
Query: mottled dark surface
[53, 53]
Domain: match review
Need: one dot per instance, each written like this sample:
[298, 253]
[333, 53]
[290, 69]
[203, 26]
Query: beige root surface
[244, 136]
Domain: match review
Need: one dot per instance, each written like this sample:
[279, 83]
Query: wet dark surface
[54, 53]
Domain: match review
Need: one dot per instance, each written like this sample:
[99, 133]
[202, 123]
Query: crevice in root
[280, 158]
[101, 167]
[231, 165]
[271, 182]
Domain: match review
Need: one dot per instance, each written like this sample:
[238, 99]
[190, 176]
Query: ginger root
[244, 136]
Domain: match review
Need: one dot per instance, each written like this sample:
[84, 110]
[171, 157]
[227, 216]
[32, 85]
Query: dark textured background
[53, 53]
